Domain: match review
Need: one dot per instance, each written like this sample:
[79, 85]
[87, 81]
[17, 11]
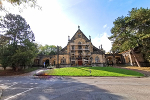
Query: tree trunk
[135, 58]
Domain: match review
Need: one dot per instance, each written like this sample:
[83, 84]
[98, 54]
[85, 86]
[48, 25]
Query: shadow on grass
[116, 70]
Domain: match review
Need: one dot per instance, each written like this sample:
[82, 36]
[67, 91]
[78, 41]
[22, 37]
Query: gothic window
[63, 61]
[97, 59]
[79, 35]
[79, 42]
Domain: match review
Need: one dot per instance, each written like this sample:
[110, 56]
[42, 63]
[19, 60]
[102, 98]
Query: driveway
[28, 87]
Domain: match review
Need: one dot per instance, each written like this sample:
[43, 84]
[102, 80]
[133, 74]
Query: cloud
[105, 26]
[102, 39]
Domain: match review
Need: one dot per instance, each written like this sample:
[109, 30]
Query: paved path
[75, 88]
[27, 87]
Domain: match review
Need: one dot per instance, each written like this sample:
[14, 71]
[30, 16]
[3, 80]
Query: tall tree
[20, 50]
[25, 3]
[48, 49]
[132, 31]
[16, 28]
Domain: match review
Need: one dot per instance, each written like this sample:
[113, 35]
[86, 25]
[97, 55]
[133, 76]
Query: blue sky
[59, 19]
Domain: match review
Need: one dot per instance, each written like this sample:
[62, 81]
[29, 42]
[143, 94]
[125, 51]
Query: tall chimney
[89, 37]
[68, 38]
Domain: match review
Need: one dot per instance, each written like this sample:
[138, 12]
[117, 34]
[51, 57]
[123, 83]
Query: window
[79, 35]
[63, 61]
[97, 59]
[79, 42]
[86, 47]
[72, 47]
[79, 47]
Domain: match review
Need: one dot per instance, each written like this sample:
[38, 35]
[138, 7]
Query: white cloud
[103, 39]
[105, 26]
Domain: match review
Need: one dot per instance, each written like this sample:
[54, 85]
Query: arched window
[97, 60]
[79, 42]
[79, 35]
[63, 61]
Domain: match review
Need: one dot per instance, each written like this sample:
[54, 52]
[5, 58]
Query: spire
[78, 27]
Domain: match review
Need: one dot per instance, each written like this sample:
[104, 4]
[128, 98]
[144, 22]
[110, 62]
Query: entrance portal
[80, 61]
[47, 63]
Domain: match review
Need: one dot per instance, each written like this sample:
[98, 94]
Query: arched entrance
[109, 60]
[47, 62]
[118, 60]
[79, 60]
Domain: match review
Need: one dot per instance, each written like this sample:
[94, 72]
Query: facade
[81, 52]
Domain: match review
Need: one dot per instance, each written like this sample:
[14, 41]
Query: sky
[59, 19]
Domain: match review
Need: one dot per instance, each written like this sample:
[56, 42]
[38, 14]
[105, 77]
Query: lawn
[95, 71]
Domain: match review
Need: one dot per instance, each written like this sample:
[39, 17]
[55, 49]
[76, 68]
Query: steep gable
[79, 34]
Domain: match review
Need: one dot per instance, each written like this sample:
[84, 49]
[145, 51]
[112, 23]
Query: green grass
[95, 71]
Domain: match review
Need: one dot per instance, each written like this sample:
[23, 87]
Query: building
[81, 52]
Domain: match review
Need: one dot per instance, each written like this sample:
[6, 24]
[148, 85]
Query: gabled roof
[97, 51]
[83, 36]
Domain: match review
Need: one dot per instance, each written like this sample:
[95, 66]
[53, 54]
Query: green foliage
[20, 50]
[18, 2]
[95, 71]
[16, 28]
[48, 49]
[132, 31]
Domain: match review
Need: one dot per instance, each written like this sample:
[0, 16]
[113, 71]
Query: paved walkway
[99, 80]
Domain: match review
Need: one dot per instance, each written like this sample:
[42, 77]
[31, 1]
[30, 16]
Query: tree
[132, 31]
[16, 28]
[48, 49]
[21, 50]
[19, 2]
[3, 44]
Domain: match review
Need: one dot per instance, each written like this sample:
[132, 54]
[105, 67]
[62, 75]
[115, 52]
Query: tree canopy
[48, 49]
[21, 4]
[16, 27]
[17, 47]
[132, 31]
